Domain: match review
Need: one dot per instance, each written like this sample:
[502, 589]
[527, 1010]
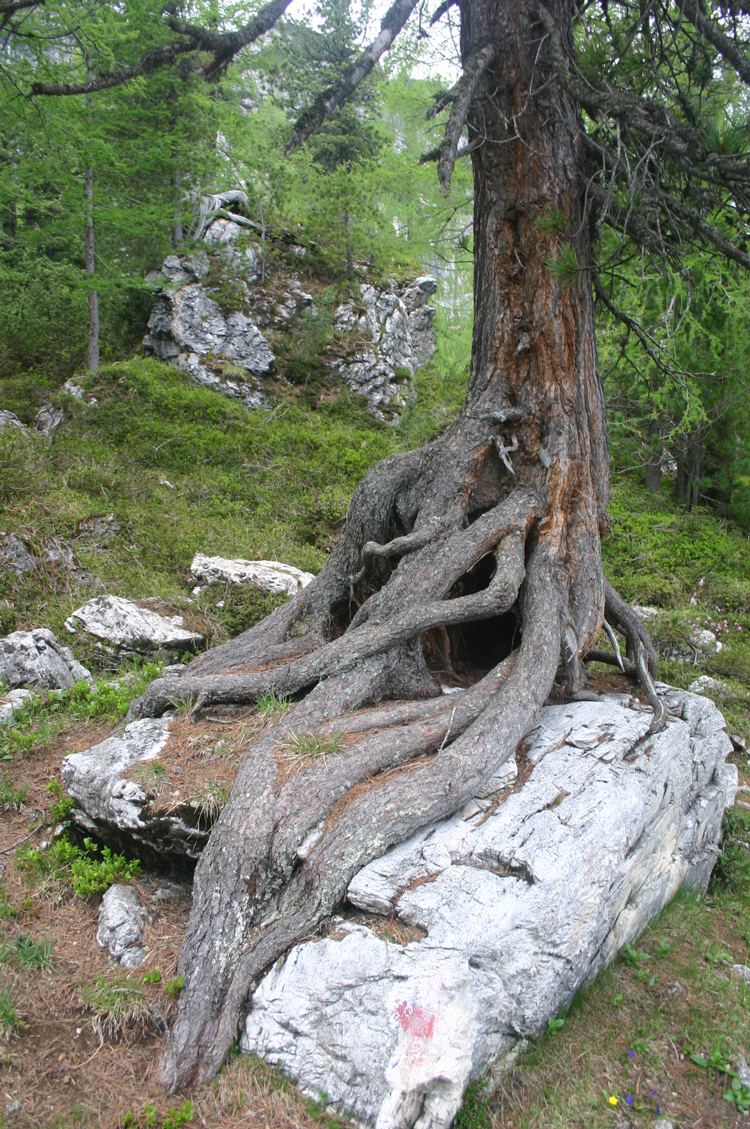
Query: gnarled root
[255, 896]
[393, 752]
[642, 662]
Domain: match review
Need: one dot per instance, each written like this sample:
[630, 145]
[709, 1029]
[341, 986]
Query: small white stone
[272, 576]
[711, 686]
[120, 622]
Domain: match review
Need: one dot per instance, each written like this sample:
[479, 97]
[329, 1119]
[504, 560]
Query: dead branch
[463, 93]
[330, 99]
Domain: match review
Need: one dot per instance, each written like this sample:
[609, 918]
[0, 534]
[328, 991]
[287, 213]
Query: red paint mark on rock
[415, 1020]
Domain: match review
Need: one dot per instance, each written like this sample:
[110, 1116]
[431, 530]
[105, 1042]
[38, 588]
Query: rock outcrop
[36, 658]
[121, 626]
[228, 352]
[272, 576]
[112, 786]
[10, 419]
[47, 420]
[461, 943]
[398, 322]
[188, 327]
[513, 905]
[21, 554]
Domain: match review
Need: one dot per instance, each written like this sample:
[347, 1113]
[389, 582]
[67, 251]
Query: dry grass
[196, 769]
[86, 1052]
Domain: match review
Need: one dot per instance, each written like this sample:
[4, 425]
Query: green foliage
[174, 987]
[152, 977]
[10, 1021]
[48, 712]
[737, 1092]
[27, 952]
[563, 265]
[552, 221]
[270, 705]
[92, 875]
[732, 870]
[177, 1117]
[63, 863]
[114, 1005]
[140, 140]
[12, 795]
[474, 1112]
[244, 607]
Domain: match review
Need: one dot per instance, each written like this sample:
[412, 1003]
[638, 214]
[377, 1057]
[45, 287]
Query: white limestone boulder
[121, 625]
[121, 920]
[10, 420]
[12, 702]
[519, 901]
[35, 658]
[272, 576]
[399, 323]
[119, 805]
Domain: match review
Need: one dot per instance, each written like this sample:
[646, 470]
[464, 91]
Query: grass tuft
[115, 1008]
[307, 746]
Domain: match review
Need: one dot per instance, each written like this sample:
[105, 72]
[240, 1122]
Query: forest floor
[133, 486]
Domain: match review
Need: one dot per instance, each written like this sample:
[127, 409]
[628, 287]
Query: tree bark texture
[92, 358]
[93, 330]
[473, 563]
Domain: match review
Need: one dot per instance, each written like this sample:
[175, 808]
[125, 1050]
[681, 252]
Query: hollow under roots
[419, 592]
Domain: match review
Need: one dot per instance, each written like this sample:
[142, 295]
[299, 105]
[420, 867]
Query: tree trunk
[681, 479]
[450, 555]
[695, 485]
[93, 332]
[653, 474]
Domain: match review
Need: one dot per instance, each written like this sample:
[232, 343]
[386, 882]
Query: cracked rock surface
[398, 322]
[123, 625]
[121, 920]
[523, 897]
[272, 576]
[117, 804]
[391, 329]
[36, 658]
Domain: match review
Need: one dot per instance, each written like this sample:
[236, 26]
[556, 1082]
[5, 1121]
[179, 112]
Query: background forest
[128, 165]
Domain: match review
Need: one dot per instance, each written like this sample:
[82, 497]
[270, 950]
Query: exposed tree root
[401, 753]
[355, 809]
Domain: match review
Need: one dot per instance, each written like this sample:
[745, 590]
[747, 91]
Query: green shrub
[63, 863]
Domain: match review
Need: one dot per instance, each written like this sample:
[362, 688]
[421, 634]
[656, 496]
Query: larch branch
[723, 44]
[224, 47]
